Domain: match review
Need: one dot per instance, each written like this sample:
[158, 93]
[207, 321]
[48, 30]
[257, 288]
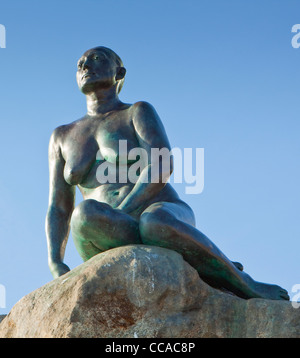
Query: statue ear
[121, 73]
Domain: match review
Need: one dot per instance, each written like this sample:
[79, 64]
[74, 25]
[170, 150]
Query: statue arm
[150, 134]
[61, 205]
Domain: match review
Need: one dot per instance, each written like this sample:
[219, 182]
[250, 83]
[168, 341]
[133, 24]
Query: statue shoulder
[144, 112]
[58, 137]
[61, 132]
[142, 106]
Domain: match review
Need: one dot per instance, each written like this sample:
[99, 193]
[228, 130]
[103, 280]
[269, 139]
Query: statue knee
[81, 215]
[154, 227]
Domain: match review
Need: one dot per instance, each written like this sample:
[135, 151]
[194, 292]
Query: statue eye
[79, 64]
[96, 57]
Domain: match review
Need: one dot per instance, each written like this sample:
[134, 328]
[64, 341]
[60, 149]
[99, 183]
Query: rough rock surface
[143, 291]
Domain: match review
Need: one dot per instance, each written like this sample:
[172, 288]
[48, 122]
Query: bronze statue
[118, 213]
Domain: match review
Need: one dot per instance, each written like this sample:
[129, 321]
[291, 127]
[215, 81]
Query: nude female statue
[116, 214]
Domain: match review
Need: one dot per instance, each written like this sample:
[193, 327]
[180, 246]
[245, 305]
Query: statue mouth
[86, 75]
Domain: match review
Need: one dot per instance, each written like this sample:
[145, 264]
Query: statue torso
[94, 141]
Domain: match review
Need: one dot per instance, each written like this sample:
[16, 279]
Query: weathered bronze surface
[120, 213]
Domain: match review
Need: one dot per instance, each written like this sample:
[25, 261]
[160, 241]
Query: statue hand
[126, 210]
[120, 208]
[58, 269]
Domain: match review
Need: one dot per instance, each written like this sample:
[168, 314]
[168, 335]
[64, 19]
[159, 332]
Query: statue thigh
[166, 224]
[97, 227]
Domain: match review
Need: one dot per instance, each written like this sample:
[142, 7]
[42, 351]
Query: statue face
[95, 69]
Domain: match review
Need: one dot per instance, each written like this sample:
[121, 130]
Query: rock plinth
[140, 291]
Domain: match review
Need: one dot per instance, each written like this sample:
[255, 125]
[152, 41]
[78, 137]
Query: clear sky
[222, 75]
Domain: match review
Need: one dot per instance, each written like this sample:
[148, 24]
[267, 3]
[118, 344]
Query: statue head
[100, 67]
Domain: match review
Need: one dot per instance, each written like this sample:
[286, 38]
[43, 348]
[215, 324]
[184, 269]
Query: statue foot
[263, 290]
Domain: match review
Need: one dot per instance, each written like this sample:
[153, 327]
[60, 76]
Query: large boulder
[143, 291]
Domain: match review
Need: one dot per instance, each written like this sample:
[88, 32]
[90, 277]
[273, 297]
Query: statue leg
[97, 227]
[169, 225]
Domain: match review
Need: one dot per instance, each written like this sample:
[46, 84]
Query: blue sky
[222, 75]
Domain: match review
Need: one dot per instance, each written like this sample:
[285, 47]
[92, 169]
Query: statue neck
[101, 102]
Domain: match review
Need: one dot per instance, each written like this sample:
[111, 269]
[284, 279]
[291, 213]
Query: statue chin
[93, 84]
[88, 87]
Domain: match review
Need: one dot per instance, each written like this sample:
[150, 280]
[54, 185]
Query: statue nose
[86, 65]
